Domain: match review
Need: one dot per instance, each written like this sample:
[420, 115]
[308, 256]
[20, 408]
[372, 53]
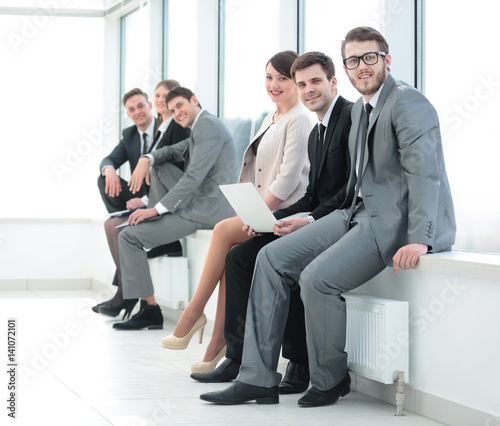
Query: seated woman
[276, 163]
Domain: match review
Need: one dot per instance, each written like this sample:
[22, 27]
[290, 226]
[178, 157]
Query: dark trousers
[240, 263]
[117, 204]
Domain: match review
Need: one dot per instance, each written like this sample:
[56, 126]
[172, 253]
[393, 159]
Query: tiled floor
[74, 369]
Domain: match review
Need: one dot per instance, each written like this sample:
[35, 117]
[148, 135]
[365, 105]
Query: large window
[191, 50]
[254, 31]
[182, 42]
[463, 82]
[52, 115]
[135, 64]
[327, 22]
[220, 48]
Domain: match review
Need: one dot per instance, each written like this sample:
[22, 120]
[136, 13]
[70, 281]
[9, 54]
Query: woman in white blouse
[276, 162]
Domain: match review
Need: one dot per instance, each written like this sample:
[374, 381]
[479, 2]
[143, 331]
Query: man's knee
[127, 236]
[101, 184]
[265, 255]
[232, 256]
[237, 256]
[312, 283]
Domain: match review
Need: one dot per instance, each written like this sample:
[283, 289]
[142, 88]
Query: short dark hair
[365, 34]
[183, 92]
[168, 84]
[282, 62]
[312, 58]
[134, 92]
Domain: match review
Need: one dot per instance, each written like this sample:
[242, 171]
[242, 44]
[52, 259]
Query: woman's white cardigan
[282, 164]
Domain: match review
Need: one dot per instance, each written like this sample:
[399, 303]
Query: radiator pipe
[399, 377]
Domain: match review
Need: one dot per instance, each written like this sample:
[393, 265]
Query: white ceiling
[75, 8]
[66, 4]
[62, 4]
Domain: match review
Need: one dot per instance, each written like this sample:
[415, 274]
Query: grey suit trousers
[326, 261]
[136, 278]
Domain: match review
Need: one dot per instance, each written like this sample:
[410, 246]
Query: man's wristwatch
[310, 219]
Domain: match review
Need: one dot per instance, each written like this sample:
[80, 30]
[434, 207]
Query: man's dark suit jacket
[129, 148]
[326, 190]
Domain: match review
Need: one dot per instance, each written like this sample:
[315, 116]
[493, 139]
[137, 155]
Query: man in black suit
[137, 140]
[314, 75]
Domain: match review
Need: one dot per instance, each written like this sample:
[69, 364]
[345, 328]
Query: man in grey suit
[399, 208]
[179, 202]
[116, 195]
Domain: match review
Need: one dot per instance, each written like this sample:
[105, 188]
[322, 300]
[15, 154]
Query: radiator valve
[399, 377]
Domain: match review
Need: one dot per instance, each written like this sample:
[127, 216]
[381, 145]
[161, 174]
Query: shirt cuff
[161, 209]
[151, 159]
[102, 171]
[145, 200]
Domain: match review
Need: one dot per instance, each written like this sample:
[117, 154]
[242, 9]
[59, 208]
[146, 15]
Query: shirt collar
[149, 131]
[374, 99]
[164, 125]
[196, 119]
[326, 118]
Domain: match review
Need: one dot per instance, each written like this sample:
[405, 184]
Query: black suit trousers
[117, 204]
[240, 263]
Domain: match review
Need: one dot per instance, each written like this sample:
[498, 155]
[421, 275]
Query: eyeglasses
[370, 58]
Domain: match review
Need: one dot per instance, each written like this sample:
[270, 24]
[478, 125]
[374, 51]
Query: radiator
[170, 281]
[377, 337]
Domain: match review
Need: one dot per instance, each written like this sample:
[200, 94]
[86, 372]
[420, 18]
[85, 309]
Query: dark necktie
[144, 144]
[321, 143]
[365, 120]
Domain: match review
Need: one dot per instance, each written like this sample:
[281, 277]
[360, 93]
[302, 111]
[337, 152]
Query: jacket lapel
[332, 122]
[389, 83]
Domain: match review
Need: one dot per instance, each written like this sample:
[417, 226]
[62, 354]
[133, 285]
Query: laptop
[249, 205]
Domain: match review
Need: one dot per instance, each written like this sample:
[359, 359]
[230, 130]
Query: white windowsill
[465, 264]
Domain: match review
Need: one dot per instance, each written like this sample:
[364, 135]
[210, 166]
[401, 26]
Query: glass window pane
[253, 34]
[326, 24]
[52, 115]
[135, 69]
[466, 95]
[182, 42]
[192, 48]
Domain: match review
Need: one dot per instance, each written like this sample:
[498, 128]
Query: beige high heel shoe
[178, 343]
[207, 366]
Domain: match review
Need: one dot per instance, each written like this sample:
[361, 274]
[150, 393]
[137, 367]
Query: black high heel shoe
[99, 305]
[113, 311]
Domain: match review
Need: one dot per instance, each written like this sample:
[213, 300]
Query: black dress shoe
[226, 372]
[296, 378]
[113, 311]
[172, 250]
[148, 317]
[316, 398]
[239, 393]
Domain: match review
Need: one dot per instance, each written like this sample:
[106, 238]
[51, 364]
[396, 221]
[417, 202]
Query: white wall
[71, 250]
[454, 319]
